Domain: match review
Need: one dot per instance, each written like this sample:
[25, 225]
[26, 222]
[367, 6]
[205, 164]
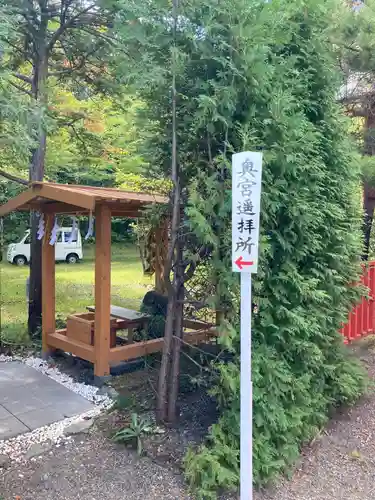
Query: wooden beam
[102, 289]
[131, 194]
[75, 199]
[61, 332]
[197, 337]
[65, 208]
[60, 341]
[52, 192]
[139, 349]
[48, 285]
[17, 202]
[195, 324]
[135, 350]
[129, 214]
[61, 208]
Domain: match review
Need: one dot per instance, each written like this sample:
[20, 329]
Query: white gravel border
[16, 448]
[87, 391]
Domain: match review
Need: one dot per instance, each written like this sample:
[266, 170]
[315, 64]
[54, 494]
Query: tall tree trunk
[35, 293]
[36, 173]
[35, 286]
[178, 334]
[173, 261]
[172, 287]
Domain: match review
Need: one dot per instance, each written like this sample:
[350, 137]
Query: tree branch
[75, 67]
[82, 141]
[98, 34]
[63, 27]
[30, 19]
[64, 10]
[26, 55]
[73, 119]
[357, 113]
[24, 78]
[21, 89]
[345, 45]
[42, 4]
[13, 178]
[191, 264]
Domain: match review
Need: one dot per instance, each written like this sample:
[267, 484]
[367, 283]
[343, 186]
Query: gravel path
[90, 468]
[340, 465]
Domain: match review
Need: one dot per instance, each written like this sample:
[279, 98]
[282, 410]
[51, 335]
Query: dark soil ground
[137, 394]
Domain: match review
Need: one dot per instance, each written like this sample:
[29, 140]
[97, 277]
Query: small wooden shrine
[92, 335]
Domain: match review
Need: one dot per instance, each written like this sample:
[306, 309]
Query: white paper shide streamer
[54, 232]
[73, 234]
[41, 229]
[90, 230]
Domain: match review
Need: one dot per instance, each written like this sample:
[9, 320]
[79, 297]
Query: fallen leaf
[355, 454]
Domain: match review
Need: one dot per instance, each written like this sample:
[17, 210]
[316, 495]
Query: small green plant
[60, 321]
[134, 433]
[125, 402]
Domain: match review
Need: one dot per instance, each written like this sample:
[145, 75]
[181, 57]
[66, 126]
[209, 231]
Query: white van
[19, 253]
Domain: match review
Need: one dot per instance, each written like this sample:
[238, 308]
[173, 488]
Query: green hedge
[311, 243]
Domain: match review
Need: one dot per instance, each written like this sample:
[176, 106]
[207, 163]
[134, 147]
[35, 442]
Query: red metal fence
[361, 319]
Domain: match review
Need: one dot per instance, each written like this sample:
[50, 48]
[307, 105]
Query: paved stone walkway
[29, 400]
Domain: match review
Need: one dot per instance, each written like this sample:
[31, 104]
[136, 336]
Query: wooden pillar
[48, 286]
[102, 289]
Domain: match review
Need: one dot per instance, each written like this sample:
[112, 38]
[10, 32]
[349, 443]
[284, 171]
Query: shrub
[311, 243]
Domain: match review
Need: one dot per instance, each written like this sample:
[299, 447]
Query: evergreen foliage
[254, 75]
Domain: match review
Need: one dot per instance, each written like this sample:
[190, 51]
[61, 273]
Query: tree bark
[13, 178]
[369, 150]
[368, 208]
[162, 402]
[178, 334]
[173, 262]
[164, 375]
[367, 227]
[36, 173]
[35, 290]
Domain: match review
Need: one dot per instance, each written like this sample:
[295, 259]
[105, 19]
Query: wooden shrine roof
[74, 199]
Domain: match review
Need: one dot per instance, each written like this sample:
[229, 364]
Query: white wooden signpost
[246, 190]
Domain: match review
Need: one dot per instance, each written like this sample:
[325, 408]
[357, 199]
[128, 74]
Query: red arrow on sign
[242, 263]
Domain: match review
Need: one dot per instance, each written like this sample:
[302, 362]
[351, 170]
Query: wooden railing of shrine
[361, 321]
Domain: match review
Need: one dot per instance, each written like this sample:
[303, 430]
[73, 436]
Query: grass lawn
[74, 288]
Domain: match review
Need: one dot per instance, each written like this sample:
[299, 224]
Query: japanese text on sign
[246, 189]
